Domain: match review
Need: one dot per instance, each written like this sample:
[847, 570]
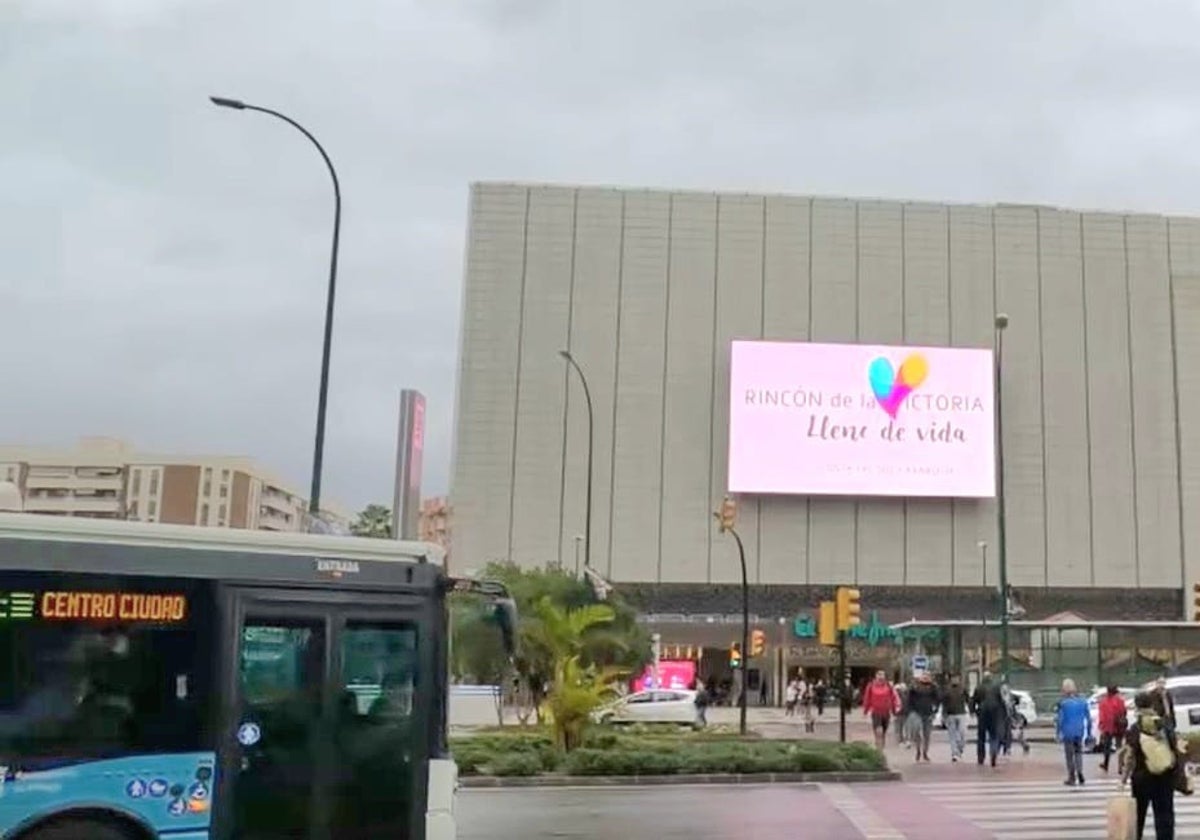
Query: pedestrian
[792, 697]
[879, 703]
[806, 707]
[1113, 718]
[703, 698]
[988, 707]
[1148, 760]
[902, 730]
[923, 702]
[820, 696]
[954, 716]
[1073, 726]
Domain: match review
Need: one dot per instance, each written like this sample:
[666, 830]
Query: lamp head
[1001, 320]
[225, 102]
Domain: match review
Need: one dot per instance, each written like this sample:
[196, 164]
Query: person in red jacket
[879, 703]
[1113, 720]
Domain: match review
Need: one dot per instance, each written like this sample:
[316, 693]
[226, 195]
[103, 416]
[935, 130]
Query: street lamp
[314, 499]
[1001, 555]
[983, 647]
[587, 396]
[578, 540]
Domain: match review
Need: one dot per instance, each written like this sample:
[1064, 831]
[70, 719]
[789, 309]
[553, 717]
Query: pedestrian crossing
[1046, 809]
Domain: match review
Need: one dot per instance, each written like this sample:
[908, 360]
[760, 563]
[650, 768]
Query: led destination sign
[144, 607]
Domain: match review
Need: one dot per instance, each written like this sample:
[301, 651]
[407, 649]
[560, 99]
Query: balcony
[269, 520]
[74, 504]
[34, 481]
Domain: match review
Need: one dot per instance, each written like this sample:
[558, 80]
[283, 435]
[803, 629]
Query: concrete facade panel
[592, 340]
[1065, 401]
[487, 379]
[739, 314]
[1185, 330]
[1151, 262]
[783, 533]
[541, 398]
[1110, 405]
[833, 532]
[928, 538]
[972, 319]
[881, 538]
[687, 523]
[1018, 281]
[636, 478]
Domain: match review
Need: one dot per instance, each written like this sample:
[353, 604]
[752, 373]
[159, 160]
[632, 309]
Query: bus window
[112, 678]
[374, 737]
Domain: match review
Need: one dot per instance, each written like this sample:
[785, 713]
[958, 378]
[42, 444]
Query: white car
[659, 705]
[1185, 693]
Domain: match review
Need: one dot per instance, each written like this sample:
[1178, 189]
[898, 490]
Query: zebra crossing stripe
[1041, 810]
[868, 823]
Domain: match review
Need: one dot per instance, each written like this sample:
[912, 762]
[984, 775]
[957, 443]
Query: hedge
[530, 752]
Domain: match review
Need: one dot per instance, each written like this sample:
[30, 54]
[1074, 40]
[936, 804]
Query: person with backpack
[1073, 727]
[1148, 761]
[1113, 719]
[988, 707]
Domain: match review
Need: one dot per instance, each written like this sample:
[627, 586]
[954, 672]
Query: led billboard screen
[861, 420]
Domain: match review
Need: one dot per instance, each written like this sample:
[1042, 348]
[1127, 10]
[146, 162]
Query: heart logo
[891, 386]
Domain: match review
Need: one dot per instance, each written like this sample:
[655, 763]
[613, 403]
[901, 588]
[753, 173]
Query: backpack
[1159, 756]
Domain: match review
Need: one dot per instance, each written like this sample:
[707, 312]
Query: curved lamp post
[587, 396]
[314, 499]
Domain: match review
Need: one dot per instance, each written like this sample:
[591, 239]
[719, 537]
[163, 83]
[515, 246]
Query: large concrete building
[1101, 386]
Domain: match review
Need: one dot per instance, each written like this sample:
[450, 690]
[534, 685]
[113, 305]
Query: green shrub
[592, 762]
[516, 764]
[807, 761]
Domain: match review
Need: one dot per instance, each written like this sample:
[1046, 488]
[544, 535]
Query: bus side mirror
[505, 615]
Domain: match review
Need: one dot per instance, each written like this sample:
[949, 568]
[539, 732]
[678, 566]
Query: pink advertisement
[672, 673]
[861, 420]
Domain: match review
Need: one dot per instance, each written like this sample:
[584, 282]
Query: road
[1021, 799]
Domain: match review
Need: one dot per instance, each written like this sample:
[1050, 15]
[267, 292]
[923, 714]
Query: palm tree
[373, 521]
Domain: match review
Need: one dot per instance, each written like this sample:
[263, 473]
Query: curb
[552, 781]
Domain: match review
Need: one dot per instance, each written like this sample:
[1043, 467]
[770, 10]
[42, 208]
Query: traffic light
[735, 656]
[727, 515]
[827, 623]
[758, 643]
[848, 608]
[1196, 601]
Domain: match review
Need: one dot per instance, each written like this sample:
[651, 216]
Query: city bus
[162, 681]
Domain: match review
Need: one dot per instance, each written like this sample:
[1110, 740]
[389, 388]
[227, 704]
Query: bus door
[322, 737]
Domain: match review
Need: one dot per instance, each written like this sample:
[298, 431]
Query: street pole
[587, 396]
[314, 498]
[1001, 554]
[745, 633]
[983, 640]
[578, 540]
[841, 694]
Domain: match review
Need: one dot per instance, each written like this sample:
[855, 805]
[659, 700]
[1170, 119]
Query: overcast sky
[164, 261]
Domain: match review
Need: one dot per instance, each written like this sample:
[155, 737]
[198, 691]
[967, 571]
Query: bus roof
[30, 543]
[28, 526]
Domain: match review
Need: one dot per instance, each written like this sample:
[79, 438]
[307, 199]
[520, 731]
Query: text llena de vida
[824, 427]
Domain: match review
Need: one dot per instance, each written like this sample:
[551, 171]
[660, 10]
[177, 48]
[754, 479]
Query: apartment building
[109, 479]
[433, 521]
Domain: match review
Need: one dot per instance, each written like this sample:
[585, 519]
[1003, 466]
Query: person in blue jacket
[1073, 726]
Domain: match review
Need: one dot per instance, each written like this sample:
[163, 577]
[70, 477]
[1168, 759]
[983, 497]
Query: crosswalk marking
[1040, 810]
[870, 824]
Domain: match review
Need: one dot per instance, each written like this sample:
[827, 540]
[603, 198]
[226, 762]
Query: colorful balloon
[914, 370]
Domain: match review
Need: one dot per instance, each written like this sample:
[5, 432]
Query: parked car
[654, 706]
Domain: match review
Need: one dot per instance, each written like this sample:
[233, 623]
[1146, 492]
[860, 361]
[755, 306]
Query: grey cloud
[164, 261]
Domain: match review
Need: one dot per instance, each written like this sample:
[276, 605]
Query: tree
[616, 644]
[373, 521]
